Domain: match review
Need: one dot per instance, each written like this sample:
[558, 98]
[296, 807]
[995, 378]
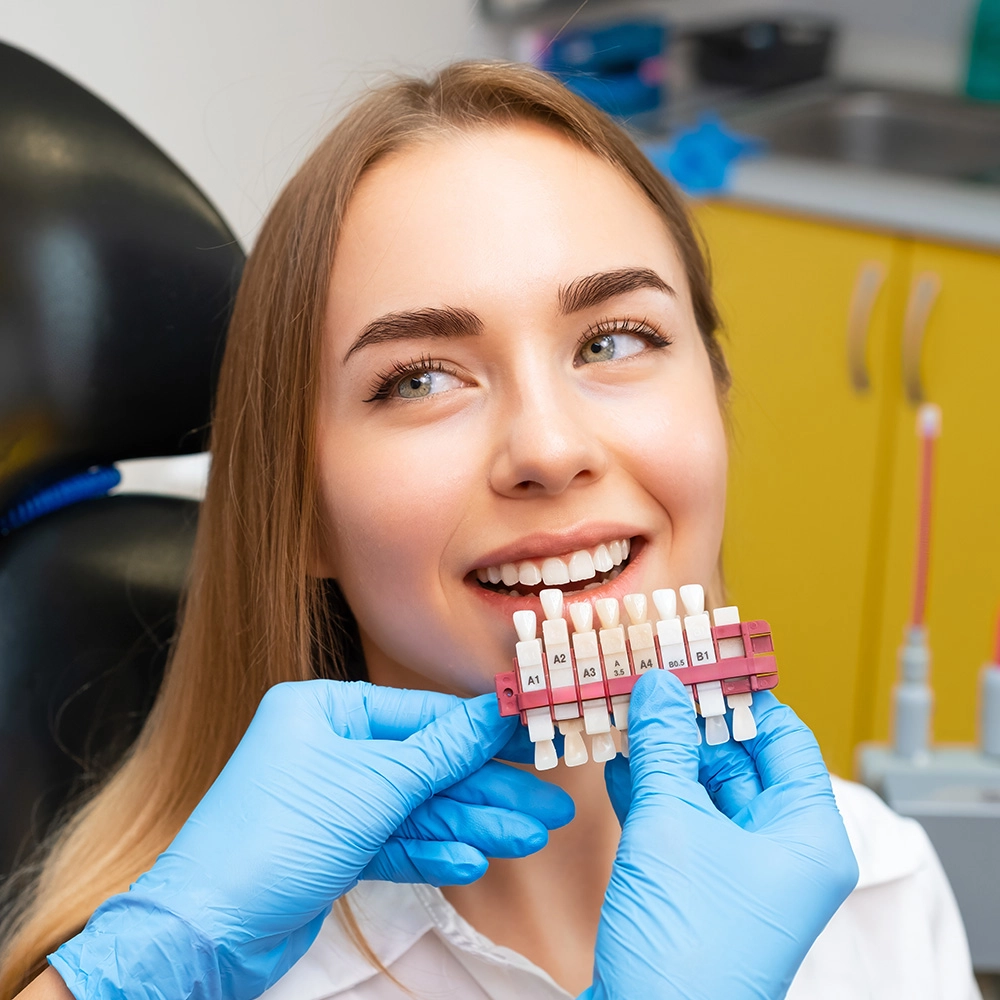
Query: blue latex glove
[332, 782]
[719, 888]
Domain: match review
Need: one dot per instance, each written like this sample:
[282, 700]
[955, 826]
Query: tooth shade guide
[755, 671]
[744, 725]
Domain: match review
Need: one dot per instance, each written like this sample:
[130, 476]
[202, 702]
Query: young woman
[476, 333]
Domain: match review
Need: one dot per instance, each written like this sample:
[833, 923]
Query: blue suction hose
[87, 485]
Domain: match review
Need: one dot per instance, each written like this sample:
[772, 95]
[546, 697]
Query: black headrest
[117, 278]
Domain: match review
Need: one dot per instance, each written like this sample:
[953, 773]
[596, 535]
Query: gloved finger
[618, 781]
[784, 749]
[663, 733]
[395, 713]
[426, 861]
[730, 776]
[497, 833]
[453, 746]
[506, 787]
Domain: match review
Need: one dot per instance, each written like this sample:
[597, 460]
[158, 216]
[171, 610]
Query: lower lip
[624, 583]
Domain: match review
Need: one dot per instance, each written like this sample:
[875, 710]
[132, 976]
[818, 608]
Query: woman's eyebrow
[418, 323]
[592, 290]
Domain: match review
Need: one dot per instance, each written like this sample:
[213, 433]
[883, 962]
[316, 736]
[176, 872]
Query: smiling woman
[474, 353]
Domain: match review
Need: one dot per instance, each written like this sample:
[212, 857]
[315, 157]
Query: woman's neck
[547, 906]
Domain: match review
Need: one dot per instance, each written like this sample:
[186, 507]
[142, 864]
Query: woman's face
[512, 383]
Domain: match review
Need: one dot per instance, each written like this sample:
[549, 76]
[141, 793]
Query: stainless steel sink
[895, 130]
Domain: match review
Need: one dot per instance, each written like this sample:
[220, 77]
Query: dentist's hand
[732, 859]
[332, 783]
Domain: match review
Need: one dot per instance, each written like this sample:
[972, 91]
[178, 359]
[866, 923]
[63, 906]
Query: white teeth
[494, 574]
[608, 612]
[581, 566]
[626, 547]
[582, 613]
[554, 572]
[525, 625]
[509, 575]
[482, 576]
[693, 598]
[635, 605]
[666, 603]
[552, 603]
[528, 574]
[603, 562]
[615, 548]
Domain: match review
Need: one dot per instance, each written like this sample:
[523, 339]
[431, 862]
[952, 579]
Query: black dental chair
[117, 278]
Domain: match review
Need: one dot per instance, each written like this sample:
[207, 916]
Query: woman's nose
[546, 443]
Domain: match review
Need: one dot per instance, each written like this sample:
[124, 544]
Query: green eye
[415, 386]
[609, 346]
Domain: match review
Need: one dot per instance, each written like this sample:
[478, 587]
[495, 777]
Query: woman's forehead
[490, 217]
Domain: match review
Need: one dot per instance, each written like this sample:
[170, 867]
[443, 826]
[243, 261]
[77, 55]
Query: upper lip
[542, 544]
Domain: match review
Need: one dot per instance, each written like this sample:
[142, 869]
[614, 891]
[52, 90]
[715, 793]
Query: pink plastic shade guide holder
[737, 674]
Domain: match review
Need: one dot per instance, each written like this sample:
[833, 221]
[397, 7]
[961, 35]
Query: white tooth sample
[494, 574]
[603, 562]
[693, 598]
[509, 575]
[640, 634]
[626, 547]
[528, 574]
[608, 612]
[555, 635]
[744, 726]
[555, 572]
[552, 603]
[589, 670]
[582, 614]
[699, 636]
[635, 607]
[574, 749]
[581, 566]
[482, 576]
[541, 730]
[615, 550]
[666, 602]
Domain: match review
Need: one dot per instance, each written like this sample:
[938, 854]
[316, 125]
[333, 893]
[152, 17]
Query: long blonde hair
[253, 616]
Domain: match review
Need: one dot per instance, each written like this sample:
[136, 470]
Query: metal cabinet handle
[923, 293]
[867, 285]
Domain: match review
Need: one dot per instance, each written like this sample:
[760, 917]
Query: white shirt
[898, 935]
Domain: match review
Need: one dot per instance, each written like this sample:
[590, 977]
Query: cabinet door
[960, 370]
[803, 449]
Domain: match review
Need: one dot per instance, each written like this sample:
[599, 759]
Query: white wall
[237, 91]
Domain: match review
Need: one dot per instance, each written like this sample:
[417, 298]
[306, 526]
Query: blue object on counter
[87, 485]
[619, 68]
[698, 158]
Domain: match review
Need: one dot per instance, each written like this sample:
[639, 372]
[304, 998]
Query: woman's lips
[624, 583]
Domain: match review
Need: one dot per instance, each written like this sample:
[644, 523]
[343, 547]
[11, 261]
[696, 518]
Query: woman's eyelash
[384, 382]
[638, 328]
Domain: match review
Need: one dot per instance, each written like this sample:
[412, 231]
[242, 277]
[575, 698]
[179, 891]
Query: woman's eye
[608, 346]
[420, 384]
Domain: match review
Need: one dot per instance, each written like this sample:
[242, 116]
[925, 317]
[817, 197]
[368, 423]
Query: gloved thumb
[455, 745]
[663, 731]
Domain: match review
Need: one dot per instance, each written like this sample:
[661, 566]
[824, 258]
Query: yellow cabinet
[957, 360]
[821, 516]
[804, 447]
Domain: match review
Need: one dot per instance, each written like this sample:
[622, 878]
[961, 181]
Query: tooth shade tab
[555, 572]
[615, 549]
[581, 566]
[603, 562]
[582, 613]
[666, 603]
[552, 603]
[528, 574]
[726, 616]
[608, 612]
[635, 606]
[525, 624]
[509, 574]
[693, 598]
